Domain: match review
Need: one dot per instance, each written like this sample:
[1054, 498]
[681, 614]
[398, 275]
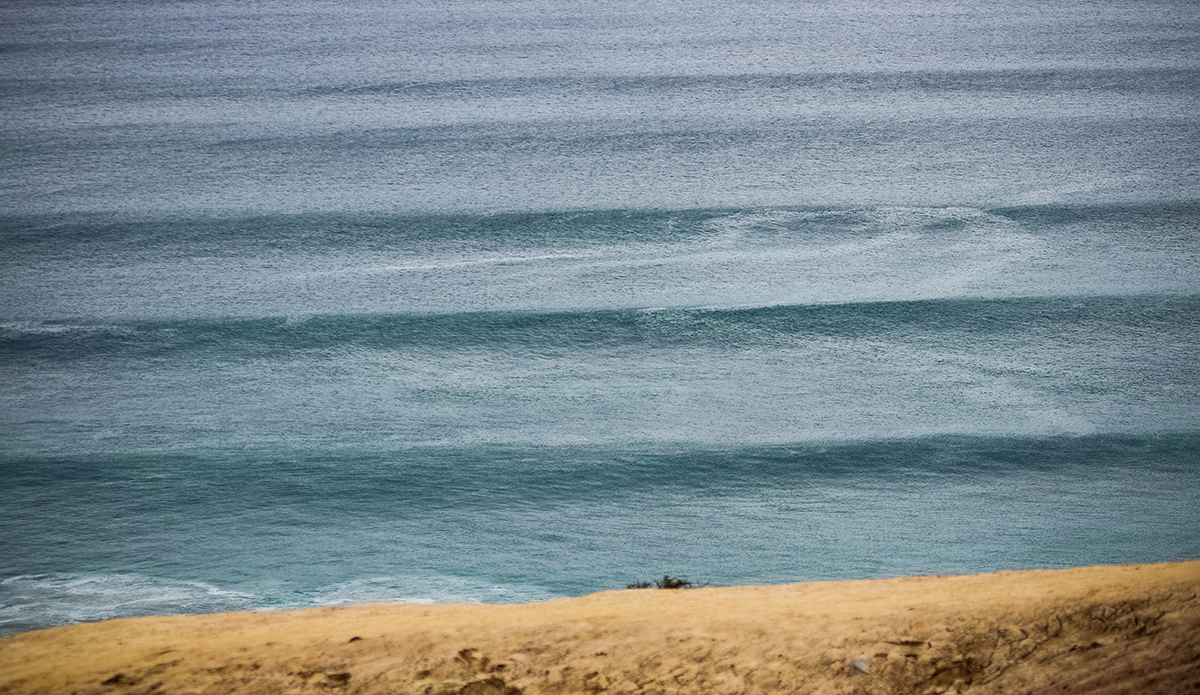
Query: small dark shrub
[668, 582]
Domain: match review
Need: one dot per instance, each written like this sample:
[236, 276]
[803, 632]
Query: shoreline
[1111, 629]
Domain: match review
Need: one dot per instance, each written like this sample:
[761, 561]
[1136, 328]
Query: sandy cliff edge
[1133, 629]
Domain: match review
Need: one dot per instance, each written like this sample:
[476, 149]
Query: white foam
[34, 601]
[416, 589]
[29, 602]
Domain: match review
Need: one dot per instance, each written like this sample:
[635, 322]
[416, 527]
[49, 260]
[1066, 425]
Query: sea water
[310, 303]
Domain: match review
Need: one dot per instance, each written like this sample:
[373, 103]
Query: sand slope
[1090, 630]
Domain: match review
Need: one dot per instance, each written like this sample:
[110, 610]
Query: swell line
[595, 329]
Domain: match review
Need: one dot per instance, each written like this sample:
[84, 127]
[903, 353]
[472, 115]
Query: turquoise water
[303, 304]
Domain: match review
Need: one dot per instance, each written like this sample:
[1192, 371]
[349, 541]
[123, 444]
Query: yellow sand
[1089, 630]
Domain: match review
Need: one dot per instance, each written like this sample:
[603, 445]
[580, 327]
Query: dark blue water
[305, 304]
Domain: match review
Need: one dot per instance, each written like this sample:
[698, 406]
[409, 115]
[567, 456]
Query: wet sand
[1133, 629]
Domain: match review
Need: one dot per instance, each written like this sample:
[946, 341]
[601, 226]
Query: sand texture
[1091, 630]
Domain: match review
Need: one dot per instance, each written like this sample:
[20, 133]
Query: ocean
[310, 303]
